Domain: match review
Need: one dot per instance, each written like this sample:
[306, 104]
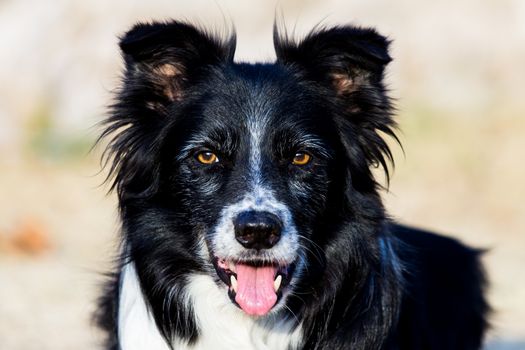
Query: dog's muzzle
[254, 248]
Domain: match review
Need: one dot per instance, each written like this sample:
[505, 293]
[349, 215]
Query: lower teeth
[233, 282]
[277, 283]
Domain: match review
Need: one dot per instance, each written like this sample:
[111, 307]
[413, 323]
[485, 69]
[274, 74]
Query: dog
[251, 218]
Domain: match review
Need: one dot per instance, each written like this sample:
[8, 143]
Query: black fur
[370, 284]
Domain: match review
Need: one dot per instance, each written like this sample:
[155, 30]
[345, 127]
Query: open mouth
[253, 286]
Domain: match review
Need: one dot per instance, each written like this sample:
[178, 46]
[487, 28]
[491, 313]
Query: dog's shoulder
[439, 259]
[443, 291]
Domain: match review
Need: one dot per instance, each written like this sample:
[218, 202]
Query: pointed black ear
[348, 63]
[168, 56]
[163, 60]
[348, 58]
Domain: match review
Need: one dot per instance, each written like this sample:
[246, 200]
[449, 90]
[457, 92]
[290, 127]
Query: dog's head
[247, 171]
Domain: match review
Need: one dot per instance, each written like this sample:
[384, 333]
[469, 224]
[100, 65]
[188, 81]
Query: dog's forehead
[265, 94]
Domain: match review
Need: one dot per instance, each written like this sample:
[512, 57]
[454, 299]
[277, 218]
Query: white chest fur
[136, 326]
[222, 325]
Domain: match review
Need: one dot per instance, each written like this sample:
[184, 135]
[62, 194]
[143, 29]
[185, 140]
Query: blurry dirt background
[458, 75]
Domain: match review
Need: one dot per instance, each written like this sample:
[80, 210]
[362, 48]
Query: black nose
[257, 229]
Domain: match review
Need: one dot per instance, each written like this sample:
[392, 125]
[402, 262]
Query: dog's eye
[301, 158]
[207, 157]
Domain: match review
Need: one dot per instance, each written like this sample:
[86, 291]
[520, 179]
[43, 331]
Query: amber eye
[207, 157]
[301, 158]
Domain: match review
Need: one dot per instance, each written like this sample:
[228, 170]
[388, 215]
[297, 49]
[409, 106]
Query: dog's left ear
[347, 58]
[348, 64]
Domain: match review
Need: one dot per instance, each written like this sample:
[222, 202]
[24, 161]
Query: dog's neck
[221, 324]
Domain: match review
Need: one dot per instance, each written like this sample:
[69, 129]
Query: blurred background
[458, 75]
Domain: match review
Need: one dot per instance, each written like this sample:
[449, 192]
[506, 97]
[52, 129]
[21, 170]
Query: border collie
[251, 218]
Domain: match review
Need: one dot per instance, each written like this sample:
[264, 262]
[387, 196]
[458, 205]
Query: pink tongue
[255, 293]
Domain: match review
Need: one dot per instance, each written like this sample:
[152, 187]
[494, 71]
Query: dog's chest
[221, 325]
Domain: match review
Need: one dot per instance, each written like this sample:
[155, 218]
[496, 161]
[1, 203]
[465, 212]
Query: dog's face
[242, 171]
[255, 166]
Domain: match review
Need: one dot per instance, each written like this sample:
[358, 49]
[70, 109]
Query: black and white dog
[250, 215]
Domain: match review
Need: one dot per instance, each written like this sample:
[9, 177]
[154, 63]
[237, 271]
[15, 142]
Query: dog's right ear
[163, 61]
[167, 57]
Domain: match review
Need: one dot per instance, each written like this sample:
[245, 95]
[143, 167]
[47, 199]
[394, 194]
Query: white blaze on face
[256, 129]
[255, 287]
[259, 197]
